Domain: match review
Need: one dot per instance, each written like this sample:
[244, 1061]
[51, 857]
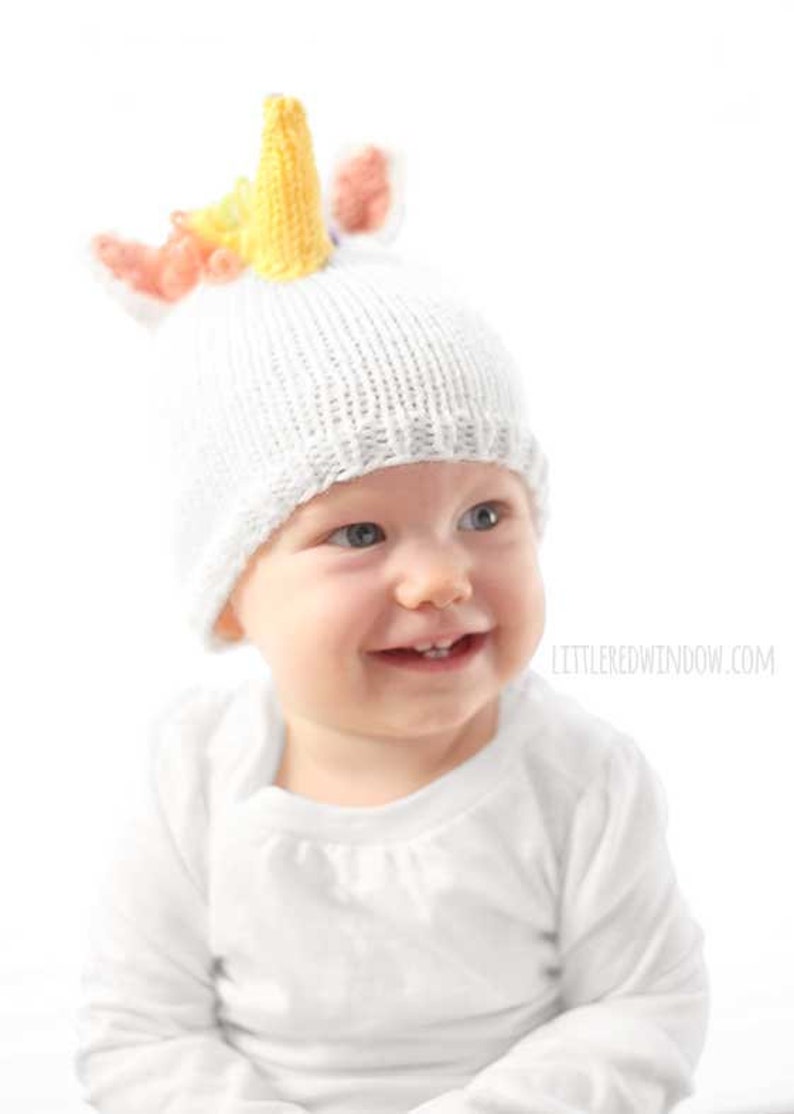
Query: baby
[395, 871]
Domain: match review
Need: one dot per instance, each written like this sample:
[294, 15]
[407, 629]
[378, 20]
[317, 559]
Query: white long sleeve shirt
[509, 939]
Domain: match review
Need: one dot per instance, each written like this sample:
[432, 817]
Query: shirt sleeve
[634, 986]
[147, 1032]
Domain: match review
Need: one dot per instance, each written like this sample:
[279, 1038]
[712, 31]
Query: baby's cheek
[342, 613]
[524, 612]
[520, 589]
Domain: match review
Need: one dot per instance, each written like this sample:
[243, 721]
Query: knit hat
[295, 350]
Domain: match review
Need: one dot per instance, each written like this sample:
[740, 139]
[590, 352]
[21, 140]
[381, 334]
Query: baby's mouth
[458, 647]
[456, 655]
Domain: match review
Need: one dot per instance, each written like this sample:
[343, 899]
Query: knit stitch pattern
[290, 239]
[275, 391]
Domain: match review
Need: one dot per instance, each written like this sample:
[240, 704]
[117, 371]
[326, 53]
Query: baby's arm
[148, 1038]
[634, 984]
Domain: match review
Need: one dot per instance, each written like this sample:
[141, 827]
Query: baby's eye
[357, 529]
[485, 518]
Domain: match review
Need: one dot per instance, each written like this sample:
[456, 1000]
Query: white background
[613, 184]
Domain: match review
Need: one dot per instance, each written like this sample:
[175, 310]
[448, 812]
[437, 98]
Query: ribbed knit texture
[274, 391]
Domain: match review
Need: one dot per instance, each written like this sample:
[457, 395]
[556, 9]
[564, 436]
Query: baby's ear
[365, 193]
[227, 625]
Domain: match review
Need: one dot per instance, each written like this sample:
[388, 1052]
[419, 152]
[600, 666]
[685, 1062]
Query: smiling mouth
[431, 654]
[456, 656]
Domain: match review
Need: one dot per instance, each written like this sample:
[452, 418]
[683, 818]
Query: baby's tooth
[444, 644]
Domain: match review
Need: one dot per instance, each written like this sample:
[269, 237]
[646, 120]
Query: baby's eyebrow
[341, 505]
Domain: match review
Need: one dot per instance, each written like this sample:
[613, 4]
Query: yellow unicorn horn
[287, 234]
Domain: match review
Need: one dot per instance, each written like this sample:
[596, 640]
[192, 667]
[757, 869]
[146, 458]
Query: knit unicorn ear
[365, 194]
[274, 224]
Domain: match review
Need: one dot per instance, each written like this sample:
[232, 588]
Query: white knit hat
[322, 361]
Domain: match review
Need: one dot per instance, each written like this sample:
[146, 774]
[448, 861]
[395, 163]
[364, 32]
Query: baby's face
[378, 562]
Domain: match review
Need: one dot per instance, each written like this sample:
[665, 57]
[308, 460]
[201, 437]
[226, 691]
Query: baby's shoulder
[182, 727]
[566, 748]
[193, 708]
[220, 739]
